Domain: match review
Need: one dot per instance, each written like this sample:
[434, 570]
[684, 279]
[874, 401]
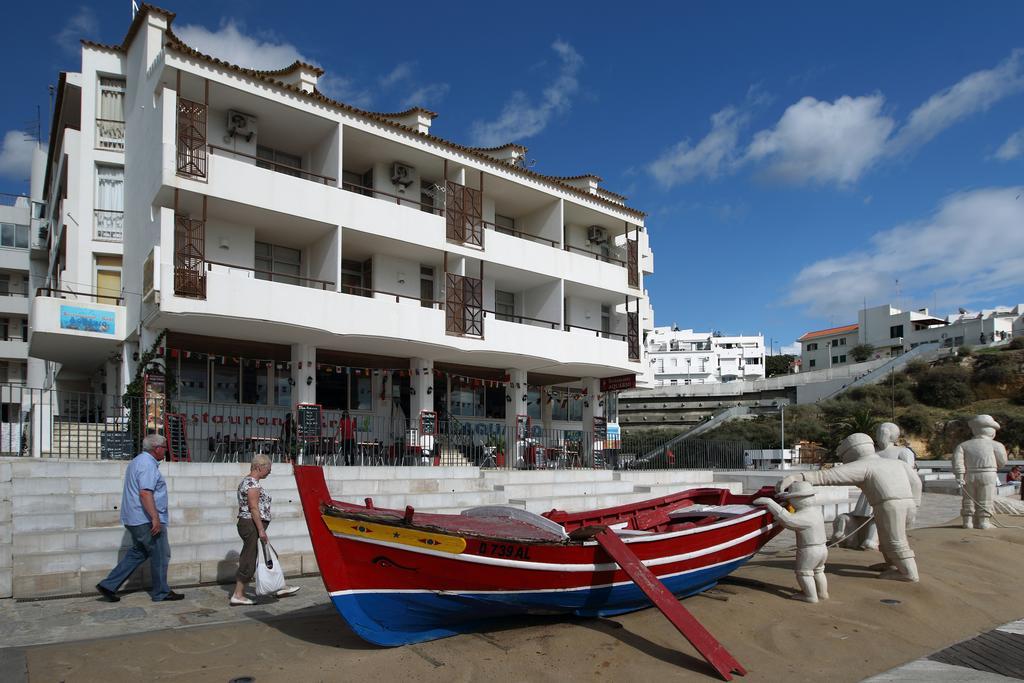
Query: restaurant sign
[618, 383]
[87, 319]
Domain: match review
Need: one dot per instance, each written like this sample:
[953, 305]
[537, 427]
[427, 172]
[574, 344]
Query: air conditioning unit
[241, 125]
[402, 175]
[596, 234]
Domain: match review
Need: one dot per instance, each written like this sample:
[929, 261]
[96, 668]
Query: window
[277, 263]
[812, 347]
[675, 362]
[225, 381]
[504, 224]
[109, 211]
[606, 320]
[193, 376]
[505, 306]
[565, 408]
[110, 114]
[466, 400]
[752, 361]
[427, 286]
[282, 387]
[24, 329]
[279, 161]
[688, 381]
[895, 331]
[839, 359]
[533, 404]
[357, 277]
[108, 279]
[674, 381]
[5, 284]
[254, 383]
[842, 342]
[15, 236]
[812, 363]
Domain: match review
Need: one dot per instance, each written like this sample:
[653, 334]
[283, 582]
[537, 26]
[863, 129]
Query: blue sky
[796, 159]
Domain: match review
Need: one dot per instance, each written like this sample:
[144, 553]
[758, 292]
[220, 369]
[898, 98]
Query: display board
[154, 395]
[428, 423]
[177, 439]
[309, 421]
[116, 446]
[600, 429]
[618, 383]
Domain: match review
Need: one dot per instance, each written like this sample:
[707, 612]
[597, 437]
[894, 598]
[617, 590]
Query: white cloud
[16, 155]
[426, 95]
[82, 24]
[948, 256]
[790, 349]
[824, 142]
[715, 153]
[1012, 148]
[401, 72]
[521, 118]
[230, 44]
[974, 93]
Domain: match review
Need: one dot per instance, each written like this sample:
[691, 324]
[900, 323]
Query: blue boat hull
[401, 618]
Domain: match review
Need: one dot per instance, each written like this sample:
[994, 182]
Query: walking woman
[253, 520]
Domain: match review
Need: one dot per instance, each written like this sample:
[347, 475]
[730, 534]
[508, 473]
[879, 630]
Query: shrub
[946, 436]
[916, 368]
[862, 352]
[965, 351]
[945, 387]
[1016, 344]
[917, 421]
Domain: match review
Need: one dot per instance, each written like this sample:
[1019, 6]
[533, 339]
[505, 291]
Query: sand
[968, 586]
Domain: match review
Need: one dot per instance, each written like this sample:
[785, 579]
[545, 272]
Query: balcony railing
[12, 292]
[273, 276]
[400, 200]
[521, 319]
[520, 234]
[109, 225]
[597, 255]
[276, 166]
[599, 333]
[110, 134]
[79, 296]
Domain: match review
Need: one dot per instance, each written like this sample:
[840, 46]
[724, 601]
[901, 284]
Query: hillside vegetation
[928, 401]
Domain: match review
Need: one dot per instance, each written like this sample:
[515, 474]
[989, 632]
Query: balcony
[275, 166]
[76, 329]
[110, 135]
[108, 225]
[14, 303]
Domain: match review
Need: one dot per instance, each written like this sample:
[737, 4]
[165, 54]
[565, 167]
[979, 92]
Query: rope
[827, 545]
[991, 513]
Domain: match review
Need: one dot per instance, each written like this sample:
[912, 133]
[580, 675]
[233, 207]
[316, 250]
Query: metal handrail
[606, 333]
[366, 291]
[51, 291]
[596, 255]
[370, 192]
[12, 293]
[107, 211]
[326, 180]
[520, 318]
[324, 284]
[520, 234]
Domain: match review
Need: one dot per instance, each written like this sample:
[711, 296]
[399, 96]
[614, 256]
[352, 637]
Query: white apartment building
[892, 332]
[294, 249]
[686, 357]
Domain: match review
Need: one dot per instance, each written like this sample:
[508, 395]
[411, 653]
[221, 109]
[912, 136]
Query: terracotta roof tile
[844, 329]
[410, 110]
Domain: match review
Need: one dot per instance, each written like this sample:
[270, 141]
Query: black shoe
[110, 595]
[173, 596]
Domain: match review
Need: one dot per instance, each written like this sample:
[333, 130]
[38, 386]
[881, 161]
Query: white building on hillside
[295, 249]
[687, 357]
[892, 332]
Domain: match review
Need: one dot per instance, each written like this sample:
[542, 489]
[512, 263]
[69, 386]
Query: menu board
[177, 439]
[428, 423]
[308, 423]
[116, 446]
[600, 429]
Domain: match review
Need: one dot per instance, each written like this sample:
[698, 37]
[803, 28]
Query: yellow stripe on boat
[394, 534]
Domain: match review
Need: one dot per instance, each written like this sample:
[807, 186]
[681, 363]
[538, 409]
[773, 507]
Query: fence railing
[109, 225]
[79, 296]
[109, 134]
[399, 199]
[276, 166]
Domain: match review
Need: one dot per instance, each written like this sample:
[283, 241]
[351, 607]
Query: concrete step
[548, 490]
[546, 476]
[658, 490]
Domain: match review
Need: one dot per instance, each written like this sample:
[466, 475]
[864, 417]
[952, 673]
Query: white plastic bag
[269, 579]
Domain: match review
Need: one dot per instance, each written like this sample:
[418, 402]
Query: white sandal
[235, 602]
[288, 590]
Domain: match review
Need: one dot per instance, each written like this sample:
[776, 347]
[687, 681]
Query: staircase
[75, 440]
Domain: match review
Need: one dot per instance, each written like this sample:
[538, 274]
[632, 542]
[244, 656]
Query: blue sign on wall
[87, 320]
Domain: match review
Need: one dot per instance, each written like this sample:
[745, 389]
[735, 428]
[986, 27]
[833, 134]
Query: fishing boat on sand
[403, 576]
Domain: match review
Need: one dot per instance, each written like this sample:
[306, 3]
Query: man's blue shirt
[143, 474]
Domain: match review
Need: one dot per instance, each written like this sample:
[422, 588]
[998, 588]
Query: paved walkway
[26, 624]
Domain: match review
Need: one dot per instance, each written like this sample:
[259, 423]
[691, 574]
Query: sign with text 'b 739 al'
[618, 383]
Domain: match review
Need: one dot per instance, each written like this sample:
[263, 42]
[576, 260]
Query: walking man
[144, 515]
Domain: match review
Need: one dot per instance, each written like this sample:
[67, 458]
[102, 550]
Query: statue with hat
[809, 525]
[975, 462]
[893, 489]
[862, 531]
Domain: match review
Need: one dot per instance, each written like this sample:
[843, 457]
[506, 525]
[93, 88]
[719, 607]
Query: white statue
[867, 536]
[809, 525]
[892, 488]
[975, 463]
